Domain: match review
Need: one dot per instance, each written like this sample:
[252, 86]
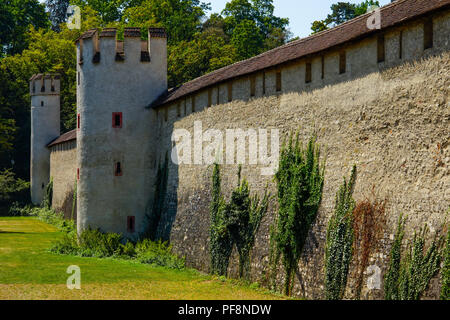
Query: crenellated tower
[45, 126]
[116, 80]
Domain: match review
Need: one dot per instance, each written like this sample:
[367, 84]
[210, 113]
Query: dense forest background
[35, 39]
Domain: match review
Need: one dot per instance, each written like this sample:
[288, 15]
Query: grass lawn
[29, 271]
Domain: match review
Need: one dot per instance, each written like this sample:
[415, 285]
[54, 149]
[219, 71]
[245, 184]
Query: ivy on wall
[338, 250]
[158, 200]
[74, 202]
[300, 181]
[234, 223]
[445, 290]
[409, 274]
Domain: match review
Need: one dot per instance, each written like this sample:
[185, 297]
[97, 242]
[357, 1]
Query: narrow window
[342, 62]
[42, 103]
[323, 67]
[118, 169]
[381, 52]
[278, 81]
[400, 45]
[78, 173]
[117, 120]
[178, 109]
[185, 108]
[78, 121]
[428, 34]
[218, 95]
[78, 78]
[193, 103]
[264, 82]
[209, 97]
[130, 224]
[252, 86]
[166, 113]
[230, 91]
[308, 73]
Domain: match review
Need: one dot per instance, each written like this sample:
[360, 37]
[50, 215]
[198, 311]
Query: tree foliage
[342, 12]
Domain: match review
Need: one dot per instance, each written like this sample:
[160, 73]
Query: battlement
[45, 84]
[95, 46]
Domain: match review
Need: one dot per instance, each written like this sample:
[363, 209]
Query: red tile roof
[66, 137]
[391, 14]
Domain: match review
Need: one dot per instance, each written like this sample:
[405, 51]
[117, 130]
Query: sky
[301, 13]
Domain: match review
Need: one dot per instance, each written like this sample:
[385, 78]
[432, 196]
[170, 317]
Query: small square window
[117, 119]
[131, 224]
[118, 170]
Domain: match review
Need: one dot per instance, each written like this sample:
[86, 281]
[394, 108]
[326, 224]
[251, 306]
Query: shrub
[369, 220]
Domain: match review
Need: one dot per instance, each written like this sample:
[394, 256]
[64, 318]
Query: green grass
[29, 271]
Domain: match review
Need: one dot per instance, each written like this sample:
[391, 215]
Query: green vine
[234, 223]
[74, 202]
[338, 251]
[221, 243]
[48, 196]
[158, 200]
[408, 276]
[300, 181]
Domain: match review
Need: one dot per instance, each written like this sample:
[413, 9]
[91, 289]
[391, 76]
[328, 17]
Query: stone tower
[45, 126]
[116, 80]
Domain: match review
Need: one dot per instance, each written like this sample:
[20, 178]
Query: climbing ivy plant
[244, 215]
[445, 290]
[338, 251]
[408, 276]
[221, 243]
[300, 181]
[48, 196]
[158, 200]
[234, 223]
[74, 202]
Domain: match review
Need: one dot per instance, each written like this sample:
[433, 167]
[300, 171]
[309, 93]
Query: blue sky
[301, 13]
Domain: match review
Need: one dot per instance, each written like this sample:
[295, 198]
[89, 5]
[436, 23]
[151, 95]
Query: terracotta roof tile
[391, 14]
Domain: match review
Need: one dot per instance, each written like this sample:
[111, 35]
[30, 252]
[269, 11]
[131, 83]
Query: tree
[247, 39]
[16, 16]
[342, 12]
[58, 11]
